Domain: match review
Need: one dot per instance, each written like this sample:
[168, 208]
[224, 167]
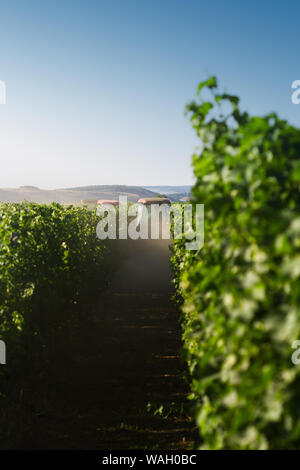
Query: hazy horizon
[94, 185]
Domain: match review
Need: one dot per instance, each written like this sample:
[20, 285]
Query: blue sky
[96, 89]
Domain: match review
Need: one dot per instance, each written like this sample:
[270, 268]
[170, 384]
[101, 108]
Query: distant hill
[83, 193]
[174, 193]
[170, 189]
[113, 188]
[73, 195]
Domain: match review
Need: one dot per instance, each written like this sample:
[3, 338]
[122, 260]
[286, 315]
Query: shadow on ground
[120, 387]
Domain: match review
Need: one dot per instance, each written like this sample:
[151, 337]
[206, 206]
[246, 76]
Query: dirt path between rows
[122, 388]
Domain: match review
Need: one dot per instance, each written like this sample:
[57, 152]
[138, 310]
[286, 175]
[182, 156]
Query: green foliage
[50, 260]
[240, 294]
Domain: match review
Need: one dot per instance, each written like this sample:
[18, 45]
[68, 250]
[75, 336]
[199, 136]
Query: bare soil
[119, 385]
